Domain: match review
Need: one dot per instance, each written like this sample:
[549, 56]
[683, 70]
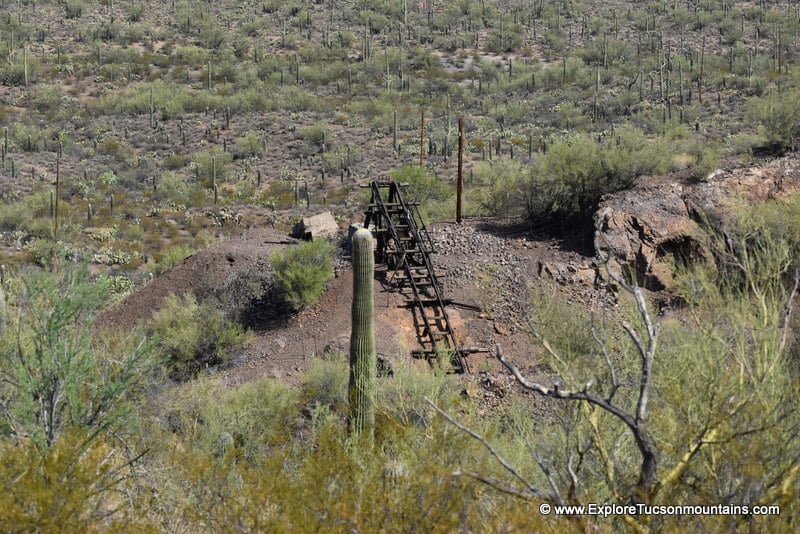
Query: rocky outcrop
[651, 227]
[645, 229]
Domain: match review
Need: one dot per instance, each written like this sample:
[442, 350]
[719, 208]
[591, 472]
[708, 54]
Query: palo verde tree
[694, 411]
[67, 439]
[54, 376]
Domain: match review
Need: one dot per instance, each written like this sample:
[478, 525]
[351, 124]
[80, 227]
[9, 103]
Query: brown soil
[467, 253]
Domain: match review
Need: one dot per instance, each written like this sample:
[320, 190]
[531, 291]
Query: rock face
[648, 228]
[645, 229]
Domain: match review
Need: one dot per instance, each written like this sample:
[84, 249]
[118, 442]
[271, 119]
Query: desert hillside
[622, 286]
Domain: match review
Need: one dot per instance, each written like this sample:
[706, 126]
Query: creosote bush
[303, 271]
[425, 188]
[573, 174]
[192, 335]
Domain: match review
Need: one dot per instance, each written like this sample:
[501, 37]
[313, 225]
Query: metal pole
[58, 191]
[421, 135]
[460, 180]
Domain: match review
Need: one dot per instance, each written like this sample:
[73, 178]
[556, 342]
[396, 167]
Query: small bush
[73, 9]
[432, 194]
[177, 189]
[193, 335]
[325, 384]
[570, 178]
[252, 417]
[212, 165]
[317, 135]
[499, 195]
[778, 115]
[302, 272]
[505, 38]
[171, 256]
[250, 144]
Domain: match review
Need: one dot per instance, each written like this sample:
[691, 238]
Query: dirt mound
[486, 268]
[232, 269]
[478, 263]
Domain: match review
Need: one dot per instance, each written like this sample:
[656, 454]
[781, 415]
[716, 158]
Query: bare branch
[601, 342]
[573, 477]
[608, 463]
[647, 473]
[788, 311]
[646, 352]
[542, 465]
[557, 393]
[501, 487]
[505, 463]
[546, 470]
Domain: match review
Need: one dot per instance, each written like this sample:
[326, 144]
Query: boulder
[322, 225]
[568, 273]
[645, 229]
[650, 228]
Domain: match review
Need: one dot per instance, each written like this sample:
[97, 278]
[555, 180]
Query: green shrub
[177, 189]
[507, 37]
[705, 158]
[325, 383]
[57, 375]
[317, 135]
[778, 114]
[432, 194]
[498, 187]
[251, 417]
[193, 335]
[14, 71]
[29, 137]
[777, 219]
[73, 9]
[212, 165]
[401, 398]
[171, 256]
[119, 286]
[303, 271]
[48, 99]
[572, 175]
[250, 144]
[77, 482]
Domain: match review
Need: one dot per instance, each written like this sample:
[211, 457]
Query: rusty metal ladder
[404, 245]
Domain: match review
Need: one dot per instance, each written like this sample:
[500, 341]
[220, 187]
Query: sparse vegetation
[135, 133]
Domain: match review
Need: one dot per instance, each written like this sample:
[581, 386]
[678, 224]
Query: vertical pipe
[421, 136]
[58, 191]
[460, 181]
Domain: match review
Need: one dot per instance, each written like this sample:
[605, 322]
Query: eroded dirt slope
[486, 269]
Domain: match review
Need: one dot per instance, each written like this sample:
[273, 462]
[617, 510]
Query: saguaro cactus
[363, 358]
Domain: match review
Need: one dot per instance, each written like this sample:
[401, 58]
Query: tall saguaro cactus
[363, 358]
